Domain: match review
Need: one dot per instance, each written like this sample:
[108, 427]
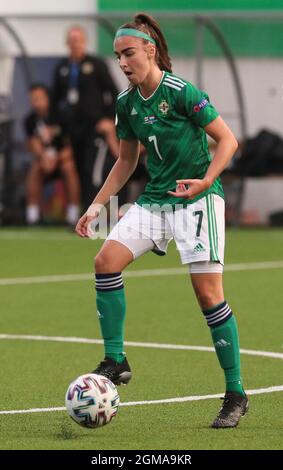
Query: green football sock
[224, 331]
[111, 311]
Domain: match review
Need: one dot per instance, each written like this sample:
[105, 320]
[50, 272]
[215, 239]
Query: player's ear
[151, 51]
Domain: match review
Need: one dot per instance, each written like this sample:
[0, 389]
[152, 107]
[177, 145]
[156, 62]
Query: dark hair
[147, 24]
[39, 86]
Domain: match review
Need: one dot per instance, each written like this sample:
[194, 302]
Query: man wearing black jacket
[84, 93]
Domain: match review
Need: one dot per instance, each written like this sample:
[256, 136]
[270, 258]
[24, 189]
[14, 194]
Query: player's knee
[207, 297]
[102, 262]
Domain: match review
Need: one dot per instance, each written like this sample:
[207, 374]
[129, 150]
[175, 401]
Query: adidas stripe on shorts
[198, 231]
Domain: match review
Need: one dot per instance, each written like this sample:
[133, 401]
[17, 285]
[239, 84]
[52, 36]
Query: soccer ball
[92, 400]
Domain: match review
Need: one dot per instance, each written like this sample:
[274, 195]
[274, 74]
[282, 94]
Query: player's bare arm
[119, 175]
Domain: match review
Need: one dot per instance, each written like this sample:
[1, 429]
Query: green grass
[36, 374]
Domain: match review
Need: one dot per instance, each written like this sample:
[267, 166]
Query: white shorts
[198, 231]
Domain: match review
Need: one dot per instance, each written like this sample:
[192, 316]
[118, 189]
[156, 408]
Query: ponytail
[148, 25]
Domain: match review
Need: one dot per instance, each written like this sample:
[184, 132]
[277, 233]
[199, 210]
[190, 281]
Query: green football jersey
[169, 123]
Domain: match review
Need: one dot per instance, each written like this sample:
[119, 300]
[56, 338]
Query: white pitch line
[135, 273]
[259, 391]
[136, 344]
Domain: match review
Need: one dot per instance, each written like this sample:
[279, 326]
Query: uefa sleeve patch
[202, 104]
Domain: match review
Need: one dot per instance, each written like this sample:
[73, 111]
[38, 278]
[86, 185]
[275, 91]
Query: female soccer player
[183, 200]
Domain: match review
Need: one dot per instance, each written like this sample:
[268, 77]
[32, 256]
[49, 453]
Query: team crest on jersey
[163, 107]
[149, 119]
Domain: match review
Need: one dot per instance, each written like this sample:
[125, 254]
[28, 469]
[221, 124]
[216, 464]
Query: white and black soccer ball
[92, 400]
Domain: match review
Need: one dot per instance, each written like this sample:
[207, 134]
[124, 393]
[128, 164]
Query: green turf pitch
[161, 309]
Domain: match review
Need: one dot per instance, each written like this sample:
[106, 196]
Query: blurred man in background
[50, 146]
[85, 93]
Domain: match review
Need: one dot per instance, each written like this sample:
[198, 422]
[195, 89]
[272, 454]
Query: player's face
[39, 101]
[135, 58]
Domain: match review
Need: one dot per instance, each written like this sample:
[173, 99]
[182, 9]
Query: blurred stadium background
[234, 50]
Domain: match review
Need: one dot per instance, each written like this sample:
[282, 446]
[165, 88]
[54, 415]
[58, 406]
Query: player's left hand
[190, 188]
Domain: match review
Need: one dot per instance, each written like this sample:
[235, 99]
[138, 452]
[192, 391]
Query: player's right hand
[83, 225]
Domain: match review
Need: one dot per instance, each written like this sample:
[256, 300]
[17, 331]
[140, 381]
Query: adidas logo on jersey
[199, 248]
[133, 112]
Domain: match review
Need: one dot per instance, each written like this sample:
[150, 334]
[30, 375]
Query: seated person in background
[49, 144]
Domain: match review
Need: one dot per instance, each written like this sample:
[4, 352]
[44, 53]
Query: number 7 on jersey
[153, 139]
